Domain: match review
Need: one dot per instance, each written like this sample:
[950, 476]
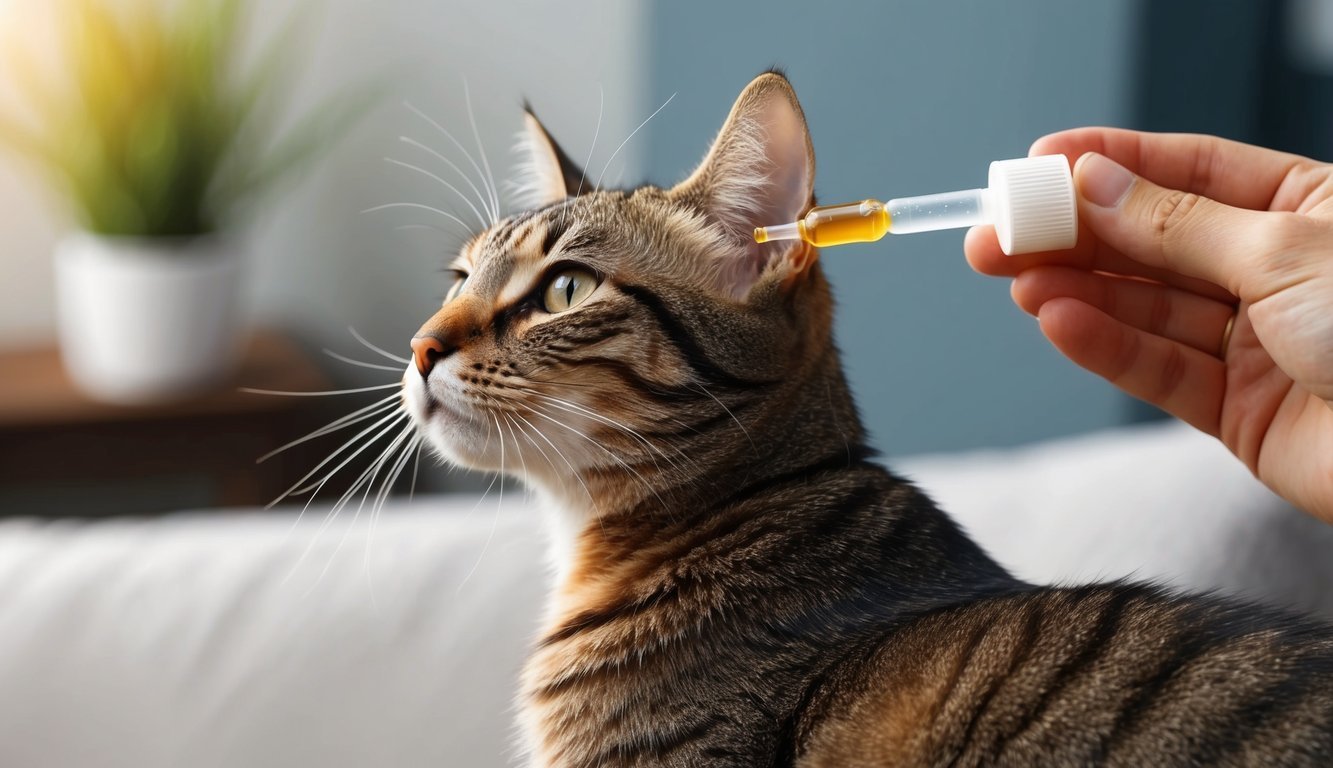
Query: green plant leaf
[152, 130]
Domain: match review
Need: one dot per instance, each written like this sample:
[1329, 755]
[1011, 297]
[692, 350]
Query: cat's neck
[809, 423]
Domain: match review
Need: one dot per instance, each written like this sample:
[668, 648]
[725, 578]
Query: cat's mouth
[425, 404]
[449, 422]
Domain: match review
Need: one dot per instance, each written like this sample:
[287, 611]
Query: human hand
[1147, 297]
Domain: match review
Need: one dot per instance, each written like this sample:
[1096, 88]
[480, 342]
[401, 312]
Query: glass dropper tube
[869, 220]
[1030, 201]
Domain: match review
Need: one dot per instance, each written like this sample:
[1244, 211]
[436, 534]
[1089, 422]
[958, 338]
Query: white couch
[237, 639]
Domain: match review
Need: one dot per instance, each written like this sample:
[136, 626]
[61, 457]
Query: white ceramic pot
[143, 319]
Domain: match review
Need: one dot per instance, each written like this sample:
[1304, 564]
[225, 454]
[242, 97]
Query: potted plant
[145, 126]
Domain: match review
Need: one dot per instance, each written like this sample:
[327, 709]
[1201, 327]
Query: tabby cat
[737, 582]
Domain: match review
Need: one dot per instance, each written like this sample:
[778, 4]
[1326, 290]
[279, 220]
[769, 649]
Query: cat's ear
[545, 174]
[759, 171]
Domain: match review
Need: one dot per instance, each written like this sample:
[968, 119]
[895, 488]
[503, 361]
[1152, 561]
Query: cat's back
[1107, 675]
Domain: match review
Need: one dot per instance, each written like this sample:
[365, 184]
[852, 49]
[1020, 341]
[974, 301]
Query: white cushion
[1160, 502]
[197, 641]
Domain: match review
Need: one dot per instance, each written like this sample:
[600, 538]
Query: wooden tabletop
[36, 392]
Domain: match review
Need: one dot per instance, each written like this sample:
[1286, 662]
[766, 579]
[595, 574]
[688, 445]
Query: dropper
[1030, 200]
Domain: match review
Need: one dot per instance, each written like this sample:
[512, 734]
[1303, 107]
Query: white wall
[317, 265]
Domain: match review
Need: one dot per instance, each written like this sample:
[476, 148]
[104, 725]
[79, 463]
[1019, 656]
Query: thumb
[1166, 228]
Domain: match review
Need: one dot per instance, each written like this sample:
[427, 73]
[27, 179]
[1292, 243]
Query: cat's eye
[460, 280]
[568, 289]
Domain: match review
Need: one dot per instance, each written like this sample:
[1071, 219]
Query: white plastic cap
[1034, 205]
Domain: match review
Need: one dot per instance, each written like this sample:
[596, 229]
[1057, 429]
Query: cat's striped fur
[738, 583]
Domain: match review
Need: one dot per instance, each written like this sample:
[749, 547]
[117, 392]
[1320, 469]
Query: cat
[737, 581]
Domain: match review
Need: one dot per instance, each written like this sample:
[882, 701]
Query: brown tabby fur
[737, 583]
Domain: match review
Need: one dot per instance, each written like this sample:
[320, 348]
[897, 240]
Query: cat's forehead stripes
[526, 259]
[506, 261]
[504, 231]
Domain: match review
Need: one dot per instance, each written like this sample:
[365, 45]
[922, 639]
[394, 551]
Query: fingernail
[1101, 180]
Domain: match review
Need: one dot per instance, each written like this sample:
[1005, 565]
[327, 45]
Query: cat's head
[616, 344]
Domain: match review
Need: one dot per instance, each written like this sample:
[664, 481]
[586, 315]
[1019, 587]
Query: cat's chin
[467, 440]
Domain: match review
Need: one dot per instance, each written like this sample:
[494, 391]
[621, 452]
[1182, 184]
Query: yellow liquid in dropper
[863, 222]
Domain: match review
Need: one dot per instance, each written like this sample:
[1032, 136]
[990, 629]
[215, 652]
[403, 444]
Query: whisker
[377, 508]
[304, 508]
[485, 447]
[484, 494]
[558, 452]
[522, 460]
[467, 230]
[495, 212]
[480, 219]
[500, 430]
[369, 472]
[494, 477]
[495, 518]
[530, 377]
[601, 103]
[744, 431]
[385, 490]
[333, 512]
[360, 414]
[373, 348]
[318, 484]
[510, 417]
[467, 179]
[515, 425]
[490, 485]
[596, 131]
[395, 460]
[481, 150]
[408, 440]
[570, 407]
[368, 478]
[614, 457]
[386, 419]
[361, 363]
[416, 464]
[600, 176]
[326, 393]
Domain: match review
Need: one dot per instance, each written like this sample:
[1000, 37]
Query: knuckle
[1207, 154]
[1284, 247]
[1282, 231]
[1171, 375]
[1123, 358]
[1171, 212]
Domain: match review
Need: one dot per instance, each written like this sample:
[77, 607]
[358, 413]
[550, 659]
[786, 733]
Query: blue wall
[911, 98]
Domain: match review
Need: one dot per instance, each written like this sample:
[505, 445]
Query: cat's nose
[425, 351]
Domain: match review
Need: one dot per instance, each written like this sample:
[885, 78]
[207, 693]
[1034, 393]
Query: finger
[1230, 172]
[983, 253]
[1160, 310]
[1177, 231]
[1178, 379]
[981, 247]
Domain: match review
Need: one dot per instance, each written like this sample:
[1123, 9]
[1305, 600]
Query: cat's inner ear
[544, 174]
[759, 171]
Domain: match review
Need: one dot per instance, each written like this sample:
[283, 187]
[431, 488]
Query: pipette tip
[777, 232]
